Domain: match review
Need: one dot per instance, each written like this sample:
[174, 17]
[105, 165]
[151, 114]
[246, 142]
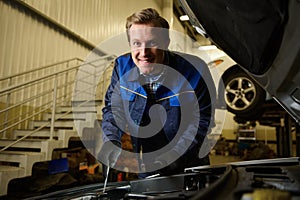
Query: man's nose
[144, 50]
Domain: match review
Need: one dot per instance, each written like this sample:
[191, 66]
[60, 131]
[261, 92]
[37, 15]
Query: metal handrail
[10, 89]
[29, 117]
[42, 126]
[19, 86]
[33, 98]
[52, 102]
[40, 68]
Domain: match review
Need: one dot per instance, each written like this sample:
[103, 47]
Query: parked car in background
[237, 91]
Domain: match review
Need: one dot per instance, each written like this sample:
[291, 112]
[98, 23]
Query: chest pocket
[174, 101]
[129, 95]
[182, 98]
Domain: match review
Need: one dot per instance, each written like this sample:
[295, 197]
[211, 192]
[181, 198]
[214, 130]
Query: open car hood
[261, 36]
[273, 178]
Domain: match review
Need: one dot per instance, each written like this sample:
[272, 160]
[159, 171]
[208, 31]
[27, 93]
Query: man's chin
[146, 69]
[147, 72]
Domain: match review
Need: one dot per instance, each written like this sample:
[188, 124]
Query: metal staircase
[41, 109]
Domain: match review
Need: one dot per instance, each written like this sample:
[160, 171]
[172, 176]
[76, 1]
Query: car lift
[274, 115]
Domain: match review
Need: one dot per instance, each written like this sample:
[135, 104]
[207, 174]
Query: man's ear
[128, 38]
[166, 43]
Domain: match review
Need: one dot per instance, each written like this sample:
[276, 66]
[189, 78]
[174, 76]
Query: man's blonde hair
[147, 16]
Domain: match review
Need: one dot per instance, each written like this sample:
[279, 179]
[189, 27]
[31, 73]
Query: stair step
[41, 133]
[57, 124]
[62, 134]
[62, 116]
[63, 109]
[7, 173]
[27, 143]
[43, 145]
[25, 159]
[86, 103]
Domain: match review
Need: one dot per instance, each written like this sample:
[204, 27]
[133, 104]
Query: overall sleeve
[113, 114]
[201, 113]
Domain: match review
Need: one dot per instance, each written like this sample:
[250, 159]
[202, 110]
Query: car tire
[242, 96]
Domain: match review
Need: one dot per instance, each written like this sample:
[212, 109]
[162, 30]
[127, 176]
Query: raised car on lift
[263, 38]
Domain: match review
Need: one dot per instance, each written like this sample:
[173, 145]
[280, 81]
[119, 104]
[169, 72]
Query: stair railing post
[54, 97]
[4, 136]
[65, 90]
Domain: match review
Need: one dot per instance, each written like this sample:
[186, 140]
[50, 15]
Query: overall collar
[135, 72]
[172, 78]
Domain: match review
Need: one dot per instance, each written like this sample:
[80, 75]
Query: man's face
[147, 47]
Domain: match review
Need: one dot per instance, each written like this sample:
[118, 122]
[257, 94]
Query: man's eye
[153, 43]
[137, 44]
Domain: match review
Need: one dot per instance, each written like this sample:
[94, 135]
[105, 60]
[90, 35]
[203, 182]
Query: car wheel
[243, 97]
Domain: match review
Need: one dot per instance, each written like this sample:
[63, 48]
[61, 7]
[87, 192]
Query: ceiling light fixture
[184, 18]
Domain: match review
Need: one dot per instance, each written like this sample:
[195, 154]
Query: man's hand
[109, 153]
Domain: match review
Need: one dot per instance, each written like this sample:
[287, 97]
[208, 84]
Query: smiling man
[147, 47]
[161, 98]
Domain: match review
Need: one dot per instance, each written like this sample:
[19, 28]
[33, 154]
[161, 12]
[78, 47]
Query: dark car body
[269, 179]
[261, 36]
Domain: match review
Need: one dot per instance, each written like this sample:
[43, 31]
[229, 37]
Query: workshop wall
[27, 42]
